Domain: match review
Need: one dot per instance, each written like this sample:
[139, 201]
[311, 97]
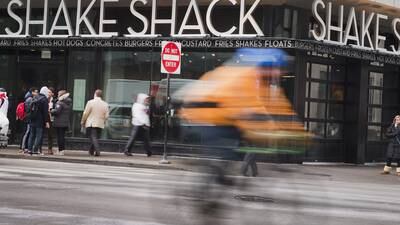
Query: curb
[92, 162]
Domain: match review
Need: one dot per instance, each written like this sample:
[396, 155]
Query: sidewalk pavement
[106, 158]
[328, 171]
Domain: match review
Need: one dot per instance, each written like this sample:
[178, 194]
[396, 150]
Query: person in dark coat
[38, 119]
[27, 103]
[62, 115]
[393, 150]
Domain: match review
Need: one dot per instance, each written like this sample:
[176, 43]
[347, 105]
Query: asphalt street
[54, 193]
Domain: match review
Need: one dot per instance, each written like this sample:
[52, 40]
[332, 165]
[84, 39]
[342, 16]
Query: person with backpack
[38, 116]
[22, 110]
[62, 114]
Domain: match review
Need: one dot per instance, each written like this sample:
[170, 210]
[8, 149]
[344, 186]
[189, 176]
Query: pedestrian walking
[62, 114]
[393, 150]
[94, 118]
[38, 115]
[141, 123]
[249, 162]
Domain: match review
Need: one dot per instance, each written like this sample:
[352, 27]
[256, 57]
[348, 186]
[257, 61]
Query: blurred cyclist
[243, 100]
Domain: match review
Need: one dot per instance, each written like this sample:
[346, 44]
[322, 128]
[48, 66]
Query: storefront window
[335, 111]
[374, 115]
[374, 133]
[336, 92]
[334, 131]
[81, 83]
[317, 110]
[318, 90]
[375, 97]
[319, 71]
[325, 100]
[125, 74]
[376, 79]
[317, 128]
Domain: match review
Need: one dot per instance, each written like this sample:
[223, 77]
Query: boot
[386, 170]
[398, 171]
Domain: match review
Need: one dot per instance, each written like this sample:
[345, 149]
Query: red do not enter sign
[171, 57]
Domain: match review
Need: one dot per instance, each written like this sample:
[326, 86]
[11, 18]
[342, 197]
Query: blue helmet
[265, 57]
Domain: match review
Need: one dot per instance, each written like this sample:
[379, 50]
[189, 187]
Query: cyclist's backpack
[21, 113]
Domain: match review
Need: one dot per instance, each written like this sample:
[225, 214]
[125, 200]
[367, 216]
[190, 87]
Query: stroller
[4, 122]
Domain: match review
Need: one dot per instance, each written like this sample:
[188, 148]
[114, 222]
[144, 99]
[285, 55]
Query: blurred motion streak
[245, 93]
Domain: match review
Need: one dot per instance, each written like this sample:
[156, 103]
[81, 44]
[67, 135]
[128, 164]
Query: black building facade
[343, 80]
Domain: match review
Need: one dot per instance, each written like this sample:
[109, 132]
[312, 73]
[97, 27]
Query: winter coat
[140, 111]
[42, 117]
[393, 150]
[96, 113]
[62, 111]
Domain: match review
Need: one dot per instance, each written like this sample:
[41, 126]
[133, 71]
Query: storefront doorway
[41, 68]
[36, 68]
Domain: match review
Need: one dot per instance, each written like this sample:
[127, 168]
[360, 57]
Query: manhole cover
[252, 198]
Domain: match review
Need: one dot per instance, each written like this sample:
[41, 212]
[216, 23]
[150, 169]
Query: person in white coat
[4, 122]
[141, 123]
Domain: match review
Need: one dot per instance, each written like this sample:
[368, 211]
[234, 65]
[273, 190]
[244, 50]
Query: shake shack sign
[361, 30]
[69, 22]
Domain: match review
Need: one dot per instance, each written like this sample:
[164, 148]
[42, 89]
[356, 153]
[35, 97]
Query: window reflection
[374, 115]
[317, 128]
[126, 74]
[334, 131]
[317, 110]
[319, 71]
[376, 79]
[374, 133]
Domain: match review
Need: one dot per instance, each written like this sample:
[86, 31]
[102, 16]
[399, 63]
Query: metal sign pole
[167, 112]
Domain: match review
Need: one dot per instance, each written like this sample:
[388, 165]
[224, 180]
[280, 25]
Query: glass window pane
[374, 115]
[306, 111]
[317, 129]
[374, 133]
[336, 92]
[376, 79]
[286, 18]
[338, 73]
[334, 131]
[82, 67]
[126, 74]
[307, 90]
[319, 71]
[317, 110]
[318, 90]
[335, 112]
[375, 97]
[391, 97]
[294, 23]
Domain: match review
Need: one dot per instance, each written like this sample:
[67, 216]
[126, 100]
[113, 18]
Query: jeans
[94, 135]
[50, 136]
[35, 138]
[249, 161]
[390, 160]
[132, 138]
[61, 138]
[25, 138]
